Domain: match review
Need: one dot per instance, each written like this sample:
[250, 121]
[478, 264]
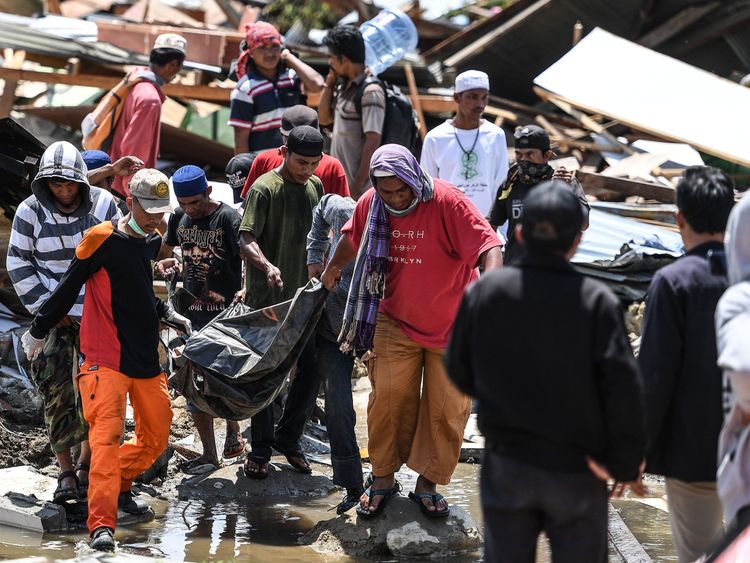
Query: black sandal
[83, 487]
[434, 498]
[64, 494]
[364, 511]
[262, 468]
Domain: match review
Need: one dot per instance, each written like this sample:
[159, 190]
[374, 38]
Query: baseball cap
[188, 181]
[151, 188]
[305, 141]
[296, 116]
[238, 168]
[552, 217]
[472, 80]
[171, 41]
[531, 137]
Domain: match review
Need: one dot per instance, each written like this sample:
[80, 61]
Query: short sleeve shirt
[279, 215]
[212, 268]
[257, 103]
[433, 254]
[349, 127]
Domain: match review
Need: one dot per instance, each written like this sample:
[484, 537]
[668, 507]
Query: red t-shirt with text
[330, 171]
[433, 255]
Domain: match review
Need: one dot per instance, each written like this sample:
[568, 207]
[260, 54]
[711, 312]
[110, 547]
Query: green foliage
[313, 14]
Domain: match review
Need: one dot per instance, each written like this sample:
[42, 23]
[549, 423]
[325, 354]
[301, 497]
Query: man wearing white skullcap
[137, 130]
[469, 151]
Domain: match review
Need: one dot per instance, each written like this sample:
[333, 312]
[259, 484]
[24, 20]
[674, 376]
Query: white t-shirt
[479, 175]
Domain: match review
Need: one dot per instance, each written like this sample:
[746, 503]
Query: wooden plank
[554, 132]
[676, 24]
[585, 120]
[205, 93]
[706, 33]
[480, 44]
[414, 95]
[232, 16]
[13, 60]
[658, 192]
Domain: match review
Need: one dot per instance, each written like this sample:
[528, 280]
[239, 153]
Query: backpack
[98, 127]
[401, 124]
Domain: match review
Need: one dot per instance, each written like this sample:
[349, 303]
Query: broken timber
[658, 192]
[205, 93]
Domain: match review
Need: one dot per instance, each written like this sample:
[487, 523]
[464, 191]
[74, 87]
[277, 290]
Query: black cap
[296, 116]
[305, 140]
[531, 137]
[552, 217]
[238, 168]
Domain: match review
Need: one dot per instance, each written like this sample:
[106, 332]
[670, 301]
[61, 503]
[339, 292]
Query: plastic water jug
[388, 37]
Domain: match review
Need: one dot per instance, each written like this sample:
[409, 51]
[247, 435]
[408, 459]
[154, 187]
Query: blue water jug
[388, 37]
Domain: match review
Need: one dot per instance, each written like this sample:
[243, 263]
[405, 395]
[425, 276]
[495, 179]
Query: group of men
[397, 243]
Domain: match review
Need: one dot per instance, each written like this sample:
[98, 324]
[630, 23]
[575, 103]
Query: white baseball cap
[472, 80]
[171, 41]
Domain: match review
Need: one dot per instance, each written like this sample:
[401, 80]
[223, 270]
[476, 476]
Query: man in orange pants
[119, 344]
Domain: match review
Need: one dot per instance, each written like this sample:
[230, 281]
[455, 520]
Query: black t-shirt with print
[212, 269]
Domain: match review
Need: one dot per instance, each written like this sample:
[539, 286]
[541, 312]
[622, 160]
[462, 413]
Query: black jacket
[545, 352]
[683, 385]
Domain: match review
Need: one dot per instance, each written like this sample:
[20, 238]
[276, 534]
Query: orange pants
[114, 466]
[415, 414]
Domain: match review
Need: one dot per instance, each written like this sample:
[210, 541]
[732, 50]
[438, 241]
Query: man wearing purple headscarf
[418, 243]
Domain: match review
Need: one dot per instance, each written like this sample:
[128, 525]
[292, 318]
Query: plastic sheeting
[238, 363]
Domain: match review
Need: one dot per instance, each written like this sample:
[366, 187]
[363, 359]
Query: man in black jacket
[682, 383]
[563, 410]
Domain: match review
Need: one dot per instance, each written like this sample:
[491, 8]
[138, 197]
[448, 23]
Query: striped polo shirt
[257, 104]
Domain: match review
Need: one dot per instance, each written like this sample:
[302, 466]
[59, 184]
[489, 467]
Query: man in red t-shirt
[421, 242]
[138, 129]
[330, 171]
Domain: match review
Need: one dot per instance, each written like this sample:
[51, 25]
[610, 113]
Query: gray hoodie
[733, 347]
[43, 240]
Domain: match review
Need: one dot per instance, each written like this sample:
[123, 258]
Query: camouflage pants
[53, 372]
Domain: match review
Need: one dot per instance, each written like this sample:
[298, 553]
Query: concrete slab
[26, 480]
[30, 513]
[229, 482]
[624, 541]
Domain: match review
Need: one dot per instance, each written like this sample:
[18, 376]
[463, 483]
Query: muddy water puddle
[267, 529]
[263, 530]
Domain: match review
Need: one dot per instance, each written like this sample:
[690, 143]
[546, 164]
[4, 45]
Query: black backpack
[401, 124]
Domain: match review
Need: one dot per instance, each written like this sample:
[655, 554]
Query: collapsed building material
[667, 102]
[20, 153]
[591, 181]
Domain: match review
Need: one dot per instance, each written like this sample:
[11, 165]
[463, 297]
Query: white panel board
[606, 74]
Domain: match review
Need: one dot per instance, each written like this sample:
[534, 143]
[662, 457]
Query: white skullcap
[380, 173]
[171, 41]
[472, 80]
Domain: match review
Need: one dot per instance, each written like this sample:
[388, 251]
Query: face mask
[533, 173]
[136, 227]
[403, 212]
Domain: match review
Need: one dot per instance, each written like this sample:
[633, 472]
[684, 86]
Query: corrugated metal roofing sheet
[608, 233]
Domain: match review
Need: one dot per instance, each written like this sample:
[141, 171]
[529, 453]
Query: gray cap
[296, 116]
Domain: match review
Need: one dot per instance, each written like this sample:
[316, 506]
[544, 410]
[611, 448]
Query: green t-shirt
[279, 215]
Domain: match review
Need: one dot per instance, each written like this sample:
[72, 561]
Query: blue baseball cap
[95, 159]
[189, 180]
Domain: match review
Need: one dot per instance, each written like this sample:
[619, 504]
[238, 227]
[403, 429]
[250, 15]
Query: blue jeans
[335, 370]
[299, 405]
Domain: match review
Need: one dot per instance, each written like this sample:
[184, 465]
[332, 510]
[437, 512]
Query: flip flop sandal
[365, 512]
[83, 486]
[64, 494]
[260, 473]
[235, 449]
[434, 498]
[348, 502]
[298, 467]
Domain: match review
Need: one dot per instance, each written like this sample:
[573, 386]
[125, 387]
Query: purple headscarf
[368, 280]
